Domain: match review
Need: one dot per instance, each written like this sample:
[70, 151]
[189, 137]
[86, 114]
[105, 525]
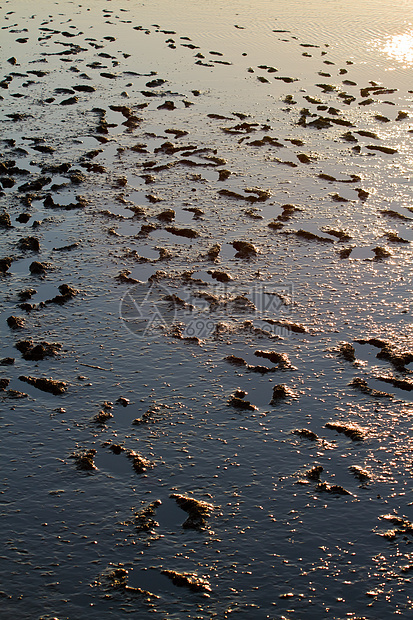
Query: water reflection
[400, 47]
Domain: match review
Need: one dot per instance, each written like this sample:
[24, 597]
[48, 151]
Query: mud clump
[197, 212]
[276, 358]
[224, 174]
[3, 384]
[5, 264]
[403, 526]
[177, 332]
[124, 278]
[394, 237]
[7, 361]
[306, 433]
[5, 221]
[140, 464]
[345, 252]
[81, 203]
[168, 105]
[335, 489]
[150, 415]
[274, 225]
[397, 358]
[352, 431]
[26, 294]
[29, 243]
[117, 578]
[387, 352]
[239, 361]
[166, 216]
[395, 215]
[298, 328]
[67, 248]
[361, 474]
[188, 580]
[380, 253]
[144, 519]
[384, 149]
[213, 252]
[315, 472]
[35, 352]
[182, 232]
[360, 384]
[15, 322]
[15, 394]
[37, 268]
[221, 276]
[245, 249]
[23, 218]
[85, 460]
[381, 118]
[279, 392]
[198, 511]
[237, 401]
[66, 293]
[177, 302]
[235, 361]
[103, 416]
[309, 236]
[288, 212]
[340, 234]
[261, 195]
[46, 385]
[303, 158]
[35, 186]
[401, 384]
[347, 351]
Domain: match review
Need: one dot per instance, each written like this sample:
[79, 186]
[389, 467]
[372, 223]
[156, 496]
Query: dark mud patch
[244, 249]
[237, 400]
[46, 385]
[354, 432]
[347, 351]
[306, 433]
[33, 351]
[402, 527]
[297, 328]
[281, 359]
[139, 463]
[144, 519]
[360, 473]
[116, 578]
[281, 392]
[67, 293]
[85, 460]
[198, 511]
[361, 384]
[188, 580]
[334, 489]
[15, 322]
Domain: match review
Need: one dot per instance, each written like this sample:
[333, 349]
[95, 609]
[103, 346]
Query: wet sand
[206, 371]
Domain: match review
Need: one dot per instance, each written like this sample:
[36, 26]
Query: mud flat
[176, 202]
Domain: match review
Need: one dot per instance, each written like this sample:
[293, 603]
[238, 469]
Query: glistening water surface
[206, 306]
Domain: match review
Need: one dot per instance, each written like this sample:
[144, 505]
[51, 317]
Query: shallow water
[277, 544]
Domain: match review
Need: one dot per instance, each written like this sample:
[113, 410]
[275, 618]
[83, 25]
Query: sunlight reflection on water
[400, 47]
